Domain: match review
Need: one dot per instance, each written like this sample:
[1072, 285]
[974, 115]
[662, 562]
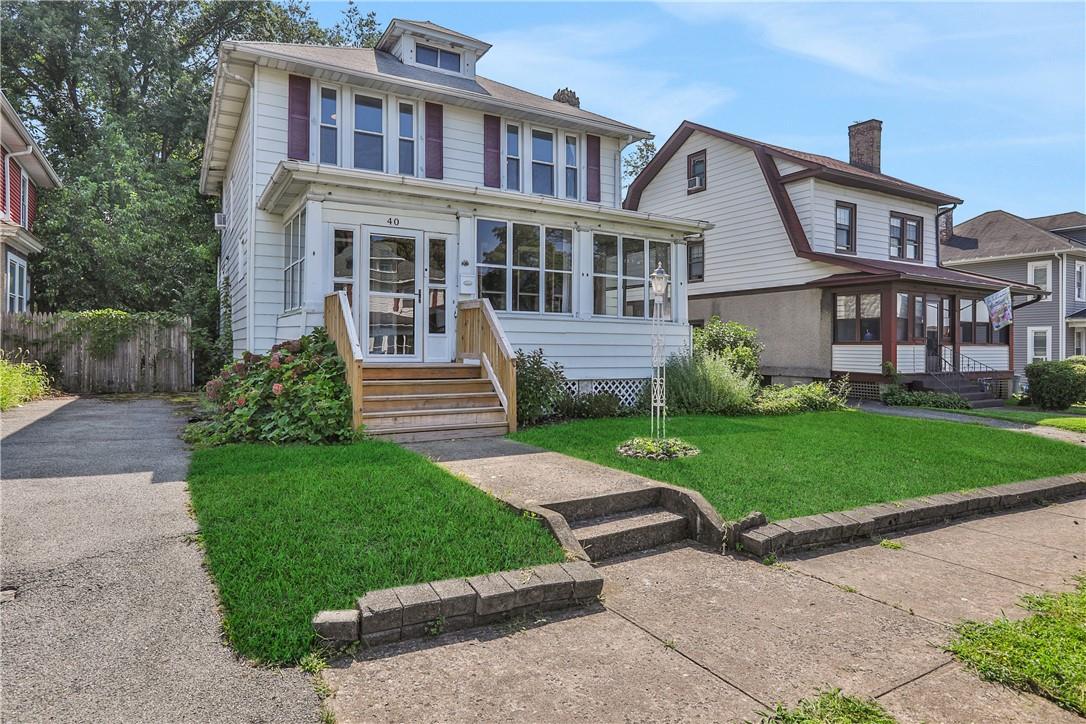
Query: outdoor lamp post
[659, 280]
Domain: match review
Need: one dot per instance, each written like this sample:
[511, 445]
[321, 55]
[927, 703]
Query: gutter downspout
[1062, 263]
[250, 272]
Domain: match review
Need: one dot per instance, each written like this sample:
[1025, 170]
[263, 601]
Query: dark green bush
[813, 397]
[295, 393]
[591, 405]
[541, 387]
[736, 343]
[900, 397]
[1056, 385]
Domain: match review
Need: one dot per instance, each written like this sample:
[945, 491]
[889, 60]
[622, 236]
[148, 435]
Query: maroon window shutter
[492, 151]
[435, 140]
[593, 167]
[298, 118]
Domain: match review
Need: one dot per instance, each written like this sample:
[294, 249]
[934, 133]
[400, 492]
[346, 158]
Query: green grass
[1044, 654]
[21, 382]
[1074, 421]
[289, 531]
[830, 707]
[818, 462]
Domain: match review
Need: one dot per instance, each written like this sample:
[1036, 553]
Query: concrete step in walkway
[614, 535]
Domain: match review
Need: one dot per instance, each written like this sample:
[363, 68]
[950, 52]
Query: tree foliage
[117, 93]
[636, 160]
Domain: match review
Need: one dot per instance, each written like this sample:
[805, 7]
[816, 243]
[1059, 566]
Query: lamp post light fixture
[659, 280]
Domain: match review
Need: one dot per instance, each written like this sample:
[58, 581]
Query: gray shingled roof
[378, 62]
[1066, 220]
[998, 233]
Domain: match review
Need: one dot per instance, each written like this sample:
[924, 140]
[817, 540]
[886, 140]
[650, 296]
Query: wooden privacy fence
[155, 356]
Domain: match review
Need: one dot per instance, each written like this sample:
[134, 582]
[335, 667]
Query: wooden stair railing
[479, 336]
[339, 323]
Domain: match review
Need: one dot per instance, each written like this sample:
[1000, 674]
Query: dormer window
[437, 58]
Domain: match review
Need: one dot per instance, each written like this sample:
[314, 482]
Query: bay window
[329, 126]
[542, 162]
[857, 318]
[293, 262]
[369, 133]
[535, 274]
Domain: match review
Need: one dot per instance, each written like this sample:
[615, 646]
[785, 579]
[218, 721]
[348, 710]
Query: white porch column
[678, 286]
[582, 271]
[464, 276]
[317, 283]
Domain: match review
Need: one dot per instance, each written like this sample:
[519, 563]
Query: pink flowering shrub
[295, 393]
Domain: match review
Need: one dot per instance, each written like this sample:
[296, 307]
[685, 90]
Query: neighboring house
[836, 264]
[403, 178]
[25, 172]
[1049, 252]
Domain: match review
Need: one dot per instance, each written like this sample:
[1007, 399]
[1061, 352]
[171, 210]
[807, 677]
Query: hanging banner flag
[999, 308]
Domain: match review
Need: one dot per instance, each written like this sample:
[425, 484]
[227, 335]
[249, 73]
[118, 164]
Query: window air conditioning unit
[695, 183]
[220, 221]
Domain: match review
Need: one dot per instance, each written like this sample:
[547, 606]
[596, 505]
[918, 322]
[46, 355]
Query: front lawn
[1044, 654]
[1029, 416]
[289, 531]
[818, 462]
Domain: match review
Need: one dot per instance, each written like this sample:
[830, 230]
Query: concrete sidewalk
[923, 413]
[108, 615]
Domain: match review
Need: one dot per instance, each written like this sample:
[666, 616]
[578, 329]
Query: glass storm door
[394, 313]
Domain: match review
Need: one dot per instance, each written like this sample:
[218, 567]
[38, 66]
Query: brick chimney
[865, 145]
[945, 226]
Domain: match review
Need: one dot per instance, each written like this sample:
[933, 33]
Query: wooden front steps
[418, 402]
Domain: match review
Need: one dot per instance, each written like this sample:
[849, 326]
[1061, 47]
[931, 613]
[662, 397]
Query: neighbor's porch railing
[339, 323]
[479, 336]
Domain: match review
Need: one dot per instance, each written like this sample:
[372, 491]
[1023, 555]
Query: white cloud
[600, 63]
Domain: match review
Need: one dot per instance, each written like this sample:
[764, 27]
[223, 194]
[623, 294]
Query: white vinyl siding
[911, 358]
[236, 244]
[747, 248]
[996, 356]
[865, 358]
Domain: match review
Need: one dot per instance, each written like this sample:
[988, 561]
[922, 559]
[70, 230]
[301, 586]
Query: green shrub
[706, 383]
[21, 382]
[295, 393]
[900, 397]
[1056, 385]
[541, 387]
[814, 397]
[592, 405]
[737, 343]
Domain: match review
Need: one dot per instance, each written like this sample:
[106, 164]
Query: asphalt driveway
[107, 613]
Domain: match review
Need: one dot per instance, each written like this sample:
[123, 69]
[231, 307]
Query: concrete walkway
[107, 613]
[685, 634]
[1053, 433]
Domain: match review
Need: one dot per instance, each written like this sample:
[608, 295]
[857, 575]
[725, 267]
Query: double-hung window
[407, 139]
[537, 276]
[369, 133]
[695, 172]
[1080, 281]
[329, 126]
[620, 274]
[293, 262]
[1038, 344]
[1039, 273]
[857, 318]
[512, 157]
[542, 162]
[695, 261]
[571, 167]
[437, 58]
[906, 237]
[343, 262]
[845, 228]
[18, 284]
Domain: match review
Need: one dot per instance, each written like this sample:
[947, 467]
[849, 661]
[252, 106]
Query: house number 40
[393, 221]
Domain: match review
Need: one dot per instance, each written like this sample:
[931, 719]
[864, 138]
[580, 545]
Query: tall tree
[117, 93]
[636, 160]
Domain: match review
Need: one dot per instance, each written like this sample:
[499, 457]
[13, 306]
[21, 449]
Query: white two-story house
[836, 264]
[418, 187]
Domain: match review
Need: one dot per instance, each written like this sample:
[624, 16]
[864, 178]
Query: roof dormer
[422, 43]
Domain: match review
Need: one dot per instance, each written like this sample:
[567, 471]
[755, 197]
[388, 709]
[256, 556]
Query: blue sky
[986, 101]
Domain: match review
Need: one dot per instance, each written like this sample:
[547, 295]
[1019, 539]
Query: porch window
[845, 242]
[369, 133]
[906, 237]
[659, 255]
[539, 271]
[857, 318]
[620, 275]
[293, 262]
[329, 131]
[407, 139]
[605, 276]
[18, 284]
[975, 324]
[512, 157]
[543, 163]
[571, 167]
[695, 261]
[343, 262]
[437, 286]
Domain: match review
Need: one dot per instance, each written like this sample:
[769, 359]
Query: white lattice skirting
[628, 391]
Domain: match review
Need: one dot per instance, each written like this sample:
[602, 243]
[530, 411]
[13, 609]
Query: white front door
[393, 311]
